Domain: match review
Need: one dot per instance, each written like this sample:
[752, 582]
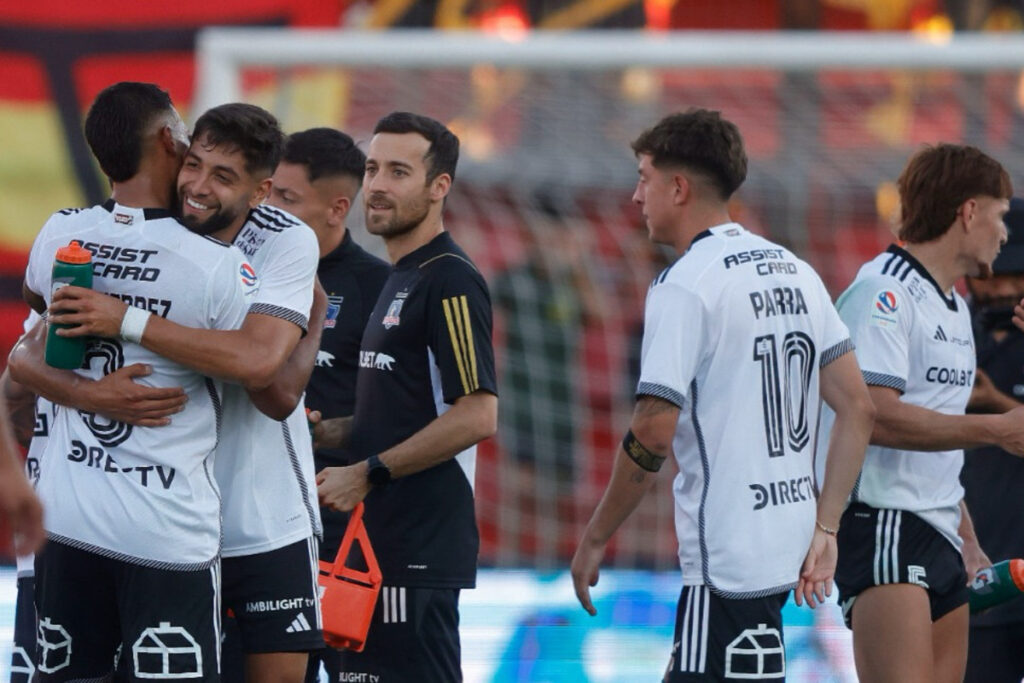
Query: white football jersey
[141, 494]
[916, 339]
[265, 467]
[735, 334]
[40, 435]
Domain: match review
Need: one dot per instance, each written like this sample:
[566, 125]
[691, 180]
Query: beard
[403, 220]
[217, 221]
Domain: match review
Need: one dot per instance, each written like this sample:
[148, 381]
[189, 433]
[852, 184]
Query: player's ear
[167, 141]
[338, 210]
[967, 211]
[680, 188]
[261, 193]
[440, 186]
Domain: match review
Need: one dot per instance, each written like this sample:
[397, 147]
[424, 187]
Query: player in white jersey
[902, 580]
[133, 513]
[30, 418]
[264, 462]
[740, 341]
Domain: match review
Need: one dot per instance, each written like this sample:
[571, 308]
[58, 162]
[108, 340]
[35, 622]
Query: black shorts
[164, 621]
[274, 599]
[413, 636]
[23, 656]
[717, 638]
[880, 546]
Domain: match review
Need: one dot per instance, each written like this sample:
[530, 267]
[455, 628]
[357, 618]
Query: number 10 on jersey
[784, 389]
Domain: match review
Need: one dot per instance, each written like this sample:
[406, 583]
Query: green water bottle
[1002, 582]
[72, 266]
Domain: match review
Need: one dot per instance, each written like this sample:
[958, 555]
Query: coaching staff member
[425, 395]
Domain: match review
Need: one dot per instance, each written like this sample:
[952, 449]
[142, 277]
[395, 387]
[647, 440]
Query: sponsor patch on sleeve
[250, 282]
[885, 308]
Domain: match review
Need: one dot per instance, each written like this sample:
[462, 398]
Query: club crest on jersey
[248, 274]
[392, 317]
[884, 308]
[333, 309]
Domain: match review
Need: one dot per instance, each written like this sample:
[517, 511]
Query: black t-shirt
[427, 343]
[352, 278]
[993, 479]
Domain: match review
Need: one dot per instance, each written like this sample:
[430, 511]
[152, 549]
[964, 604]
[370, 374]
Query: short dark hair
[443, 154]
[246, 127]
[699, 140]
[938, 180]
[116, 122]
[326, 153]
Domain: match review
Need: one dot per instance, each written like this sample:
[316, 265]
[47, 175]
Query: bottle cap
[74, 253]
[1017, 573]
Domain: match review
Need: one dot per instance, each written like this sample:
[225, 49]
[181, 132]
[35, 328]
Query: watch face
[378, 473]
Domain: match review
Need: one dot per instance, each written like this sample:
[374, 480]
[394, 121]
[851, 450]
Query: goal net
[542, 201]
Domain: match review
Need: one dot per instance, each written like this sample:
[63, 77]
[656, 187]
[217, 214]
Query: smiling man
[264, 462]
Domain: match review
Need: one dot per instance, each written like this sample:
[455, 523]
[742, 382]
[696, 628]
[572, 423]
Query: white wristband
[133, 324]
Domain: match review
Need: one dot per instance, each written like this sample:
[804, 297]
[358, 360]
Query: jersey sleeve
[459, 325]
[674, 324]
[286, 277]
[229, 292]
[835, 337]
[879, 314]
[40, 264]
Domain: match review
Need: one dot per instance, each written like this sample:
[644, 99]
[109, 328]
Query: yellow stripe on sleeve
[470, 348]
[446, 304]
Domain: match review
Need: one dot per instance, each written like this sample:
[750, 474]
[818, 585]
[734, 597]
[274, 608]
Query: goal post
[542, 201]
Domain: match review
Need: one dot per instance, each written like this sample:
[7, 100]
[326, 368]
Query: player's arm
[909, 427]
[250, 356]
[116, 396]
[975, 558]
[21, 407]
[649, 443]
[843, 389]
[278, 400]
[471, 419]
[987, 398]
[19, 506]
[333, 432]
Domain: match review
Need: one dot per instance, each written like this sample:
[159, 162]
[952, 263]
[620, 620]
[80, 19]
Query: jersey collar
[950, 300]
[346, 247]
[441, 244]
[147, 214]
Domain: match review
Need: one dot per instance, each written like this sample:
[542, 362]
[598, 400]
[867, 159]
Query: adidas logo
[940, 335]
[299, 624]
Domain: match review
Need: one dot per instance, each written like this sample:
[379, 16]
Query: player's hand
[1011, 433]
[341, 488]
[818, 570]
[330, 433]
[975, 559]
[93, 314]
[119, 397]
[586, 571]
[20, 511]
[1018, 315]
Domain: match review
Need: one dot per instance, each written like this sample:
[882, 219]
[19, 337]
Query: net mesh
[542, 203]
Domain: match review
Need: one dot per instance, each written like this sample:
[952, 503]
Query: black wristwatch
[377, 473]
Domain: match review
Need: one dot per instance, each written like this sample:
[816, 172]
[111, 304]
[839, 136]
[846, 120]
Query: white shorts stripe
[887, 547]
[215, 580]
[314, 565]
[693, 635]
[401, 605]
[684, 643]
[877, 564]
[897, 521]
[704, 631]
